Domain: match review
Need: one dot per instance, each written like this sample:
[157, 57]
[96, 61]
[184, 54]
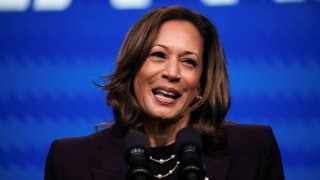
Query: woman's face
[168, 80]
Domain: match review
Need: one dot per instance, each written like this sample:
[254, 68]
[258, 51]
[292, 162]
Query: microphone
[136, 155]
[189, 150]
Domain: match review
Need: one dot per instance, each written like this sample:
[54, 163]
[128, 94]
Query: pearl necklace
[160, 176]
[162, 161]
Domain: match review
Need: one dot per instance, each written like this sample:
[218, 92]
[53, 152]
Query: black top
[164, 152]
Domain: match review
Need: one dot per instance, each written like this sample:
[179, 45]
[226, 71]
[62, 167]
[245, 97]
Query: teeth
[166, 93]
[169, 93]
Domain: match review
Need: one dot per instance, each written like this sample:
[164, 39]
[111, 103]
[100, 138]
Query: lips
[165, 95]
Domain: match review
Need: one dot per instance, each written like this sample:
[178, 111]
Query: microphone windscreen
[134, 139]
[188, 136]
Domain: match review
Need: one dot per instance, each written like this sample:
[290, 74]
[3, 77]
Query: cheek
[140, 84]
[192, 86]
[147, 75]
[193, 81]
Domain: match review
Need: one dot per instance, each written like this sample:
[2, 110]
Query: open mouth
[166, 94]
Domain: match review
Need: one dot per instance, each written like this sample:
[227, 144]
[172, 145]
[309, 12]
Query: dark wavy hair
[207, 113]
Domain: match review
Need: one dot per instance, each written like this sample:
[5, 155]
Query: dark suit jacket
[254, 155]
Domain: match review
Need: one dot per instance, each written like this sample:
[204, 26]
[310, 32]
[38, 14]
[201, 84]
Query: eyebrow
[184, 53]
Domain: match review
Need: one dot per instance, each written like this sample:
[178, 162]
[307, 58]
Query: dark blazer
[253, 155]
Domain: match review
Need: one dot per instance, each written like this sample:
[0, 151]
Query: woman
[171, 73]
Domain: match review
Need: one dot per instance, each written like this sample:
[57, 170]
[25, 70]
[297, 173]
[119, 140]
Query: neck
[163, 132]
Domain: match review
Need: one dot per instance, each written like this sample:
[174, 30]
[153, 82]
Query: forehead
[178, 25]
[179, 31]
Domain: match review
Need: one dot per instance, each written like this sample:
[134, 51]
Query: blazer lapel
[112, 162]
[216, 170]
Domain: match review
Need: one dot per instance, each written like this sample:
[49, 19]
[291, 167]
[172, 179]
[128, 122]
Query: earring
[199, 97]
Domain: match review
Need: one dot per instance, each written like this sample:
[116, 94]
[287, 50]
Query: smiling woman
[168, 81]
[170, 77]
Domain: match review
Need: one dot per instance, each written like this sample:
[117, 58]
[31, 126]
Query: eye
[190, 63]
[158, 54]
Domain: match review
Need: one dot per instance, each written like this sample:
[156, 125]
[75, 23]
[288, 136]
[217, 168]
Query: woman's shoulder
[73, 157]
[89, 142]
[250, 137]
[248, 129]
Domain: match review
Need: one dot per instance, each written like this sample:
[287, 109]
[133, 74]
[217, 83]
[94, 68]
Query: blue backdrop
[51, 51]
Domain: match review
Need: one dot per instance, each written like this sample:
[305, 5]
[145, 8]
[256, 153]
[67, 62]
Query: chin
[165, 117]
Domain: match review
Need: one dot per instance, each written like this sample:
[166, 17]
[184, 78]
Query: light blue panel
[53, 76]
[15, 172]
[258, 77]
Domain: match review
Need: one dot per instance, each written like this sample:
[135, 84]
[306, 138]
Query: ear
[199, 90]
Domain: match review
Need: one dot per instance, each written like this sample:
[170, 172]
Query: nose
[171, 71]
